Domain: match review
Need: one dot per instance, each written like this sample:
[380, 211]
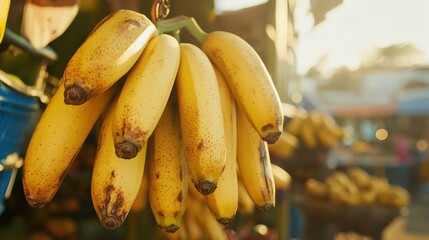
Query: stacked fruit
[315, 128]
[200, 115]
[311, 130]
[357, 187]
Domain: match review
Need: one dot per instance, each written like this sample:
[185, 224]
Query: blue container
[19, 114]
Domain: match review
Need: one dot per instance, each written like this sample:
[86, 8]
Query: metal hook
[160, 10]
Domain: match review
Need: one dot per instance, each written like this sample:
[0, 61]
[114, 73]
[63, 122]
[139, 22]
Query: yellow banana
[245, 203]
[57, 139]
[285, 146]
[106, 55]
[137, 114]
[326, 128]
[192, 226]
[254, 164]
[224, 201]
[142, 199]
[115, 182]
[308, 134]
[4, 12]
[168, 175]
[249, 82]
[296, 123]
[330, 124]
[282, 179]
[201, 118]
[212, 230]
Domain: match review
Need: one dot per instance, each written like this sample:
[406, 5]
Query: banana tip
[75, 95]
[266, 207]
[126, 150]
[225, 220]
[36, 204]
[205, 187]
[171, 228]
[271, 138]
[111, 222]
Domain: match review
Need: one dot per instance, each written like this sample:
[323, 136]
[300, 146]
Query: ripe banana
[137, 114]
[296, 123]
[327, 131]
[115, 182]
[249, 82]
[4, 12]
[308, 134]
[57, 138]
[168, 175]
[211, 228]
[224, 201]
[192, 226]
[142, 198]
[285, 146]
[201, 118]
[282, 179]
[107, 54]
[254, 164]
[245, 203]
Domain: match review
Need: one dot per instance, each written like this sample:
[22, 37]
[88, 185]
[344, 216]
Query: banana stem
[177, 23]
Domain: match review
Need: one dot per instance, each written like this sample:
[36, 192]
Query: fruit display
[356, 187]
[306, 141]
[315, 128]
[350, 201]
[307, 129]
[182, 128]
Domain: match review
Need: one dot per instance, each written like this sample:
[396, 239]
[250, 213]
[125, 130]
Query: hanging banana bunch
[197, 117]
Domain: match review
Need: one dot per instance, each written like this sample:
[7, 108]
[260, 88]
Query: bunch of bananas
[356, 187]
[312, 130]
[200, 115]
[315, 128]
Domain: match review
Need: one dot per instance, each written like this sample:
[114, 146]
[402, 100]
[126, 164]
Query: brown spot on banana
[180, 196]
[264, 160]
[75, 94]
[131, 144]
[266, 207]
[161, 213]
[200, 145]
[33, 202]
[272, 137]
[225, 220]
[205, 187]
[117, 214]
[171, 228]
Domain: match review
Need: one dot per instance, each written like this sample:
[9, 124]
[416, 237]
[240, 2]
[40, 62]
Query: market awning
[413, 104]
[364, 110]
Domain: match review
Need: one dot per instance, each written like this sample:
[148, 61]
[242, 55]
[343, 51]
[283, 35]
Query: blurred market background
[365, 63]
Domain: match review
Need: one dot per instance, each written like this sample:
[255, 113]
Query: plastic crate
[19, 114]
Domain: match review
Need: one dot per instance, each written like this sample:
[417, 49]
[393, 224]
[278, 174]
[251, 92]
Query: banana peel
[4, 12]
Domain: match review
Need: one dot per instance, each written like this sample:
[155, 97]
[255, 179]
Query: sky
[356, 26]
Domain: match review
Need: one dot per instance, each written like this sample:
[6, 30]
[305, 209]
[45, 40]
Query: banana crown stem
[175, 24]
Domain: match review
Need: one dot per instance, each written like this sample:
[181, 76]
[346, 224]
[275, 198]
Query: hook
[160, 10]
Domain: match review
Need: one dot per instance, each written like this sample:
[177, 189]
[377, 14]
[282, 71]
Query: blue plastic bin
[19, 114]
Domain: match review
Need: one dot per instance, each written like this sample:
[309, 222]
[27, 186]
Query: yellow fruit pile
[200, 115]
[313, 129]
[356, 187]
